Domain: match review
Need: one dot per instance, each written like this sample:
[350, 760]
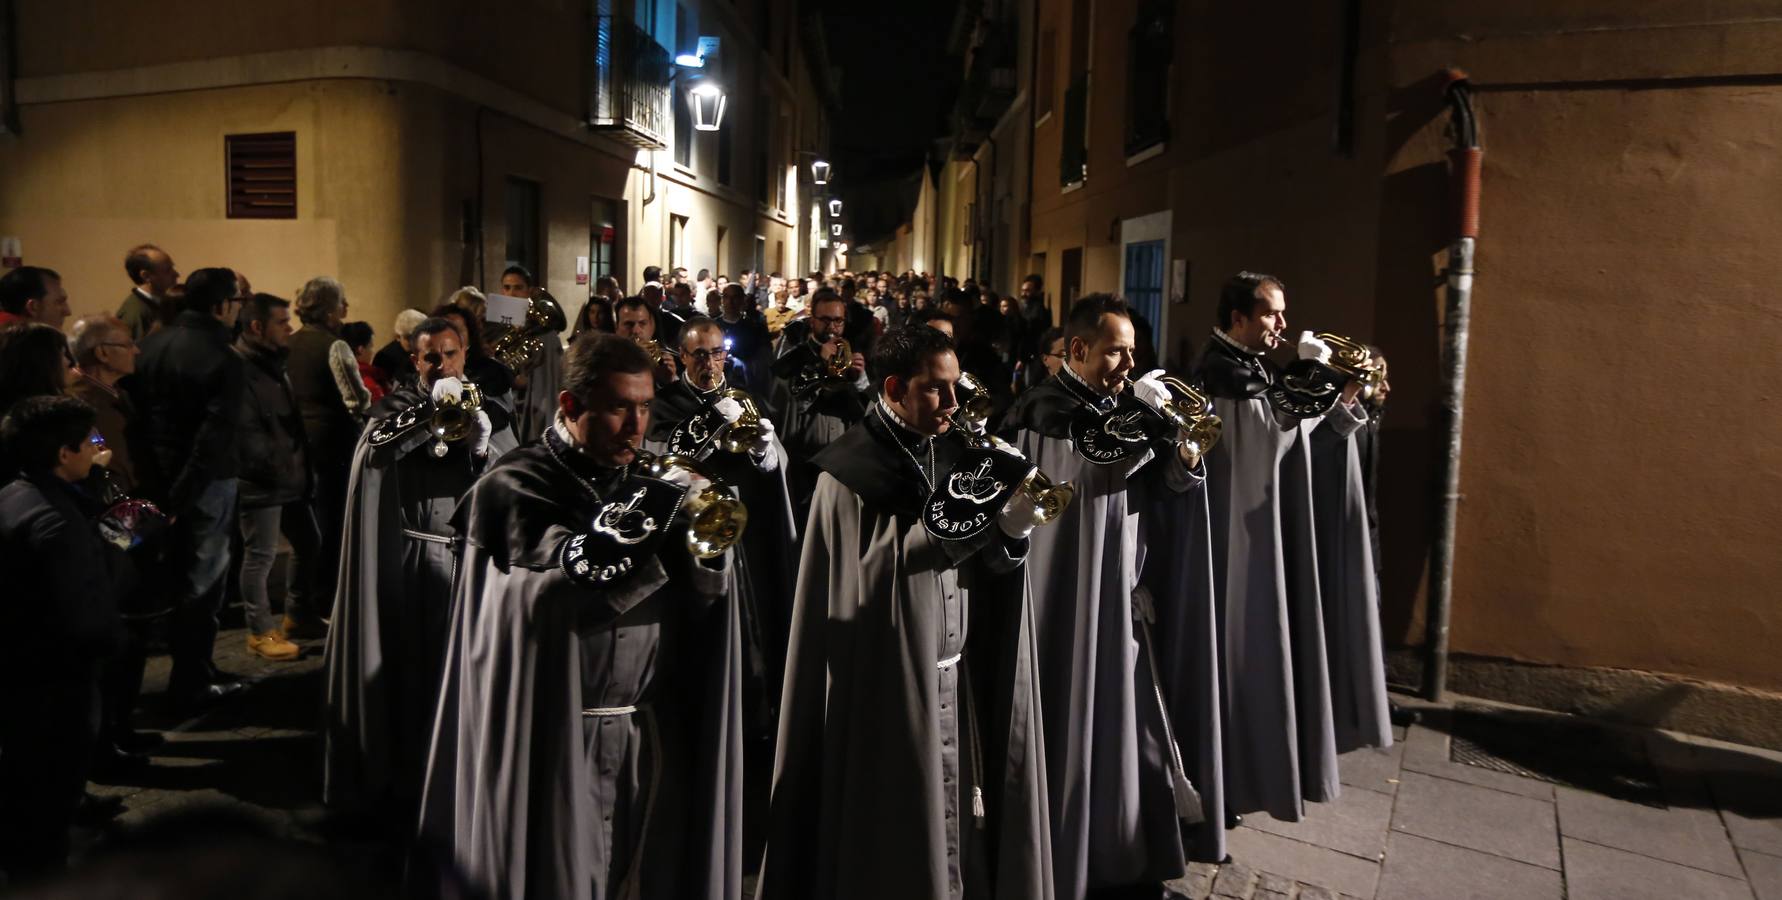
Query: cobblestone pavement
[1411, 824]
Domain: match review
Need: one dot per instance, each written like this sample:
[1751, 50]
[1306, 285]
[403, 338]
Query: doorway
[1070, 279]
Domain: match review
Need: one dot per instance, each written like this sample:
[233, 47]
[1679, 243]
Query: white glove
[729, 409]
[480, 431]
[1149, 388]
[1312, 348]
[763, 450]
[687, 479]
[1006, 447]
[447, 387]
[1018, 516]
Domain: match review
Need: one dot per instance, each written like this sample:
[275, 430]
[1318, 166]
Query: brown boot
[273, 646]
[306, 628]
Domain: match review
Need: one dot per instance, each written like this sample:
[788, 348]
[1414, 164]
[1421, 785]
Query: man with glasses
[816, 406]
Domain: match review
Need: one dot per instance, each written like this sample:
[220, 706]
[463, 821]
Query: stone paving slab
[1603, 873]
[1466, 815]
[1303, 862]
[1354, 824]
[1690, 837]
[1765, 872]
[1372, 769]
[1421, 869]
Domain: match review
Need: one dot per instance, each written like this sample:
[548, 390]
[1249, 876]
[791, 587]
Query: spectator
[152, 271]
[104, 354]
[57, 628]
[780, 313]
[393, 359]
[333, 399]
[34, 361]
[33, 294]
[746, 337]
[275, 482]
[490, 374]
[596, 315]
[1046, 362]
[358, 337]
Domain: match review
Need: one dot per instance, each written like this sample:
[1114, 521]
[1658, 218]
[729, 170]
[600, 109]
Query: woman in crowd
[34, 361]
[358, 337]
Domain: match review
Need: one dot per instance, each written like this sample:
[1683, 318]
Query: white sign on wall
[11, 256]
[581, 270]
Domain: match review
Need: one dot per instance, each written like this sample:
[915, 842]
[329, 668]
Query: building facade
[409, 148]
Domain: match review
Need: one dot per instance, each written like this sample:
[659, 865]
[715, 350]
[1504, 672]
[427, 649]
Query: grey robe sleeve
[1345, 418]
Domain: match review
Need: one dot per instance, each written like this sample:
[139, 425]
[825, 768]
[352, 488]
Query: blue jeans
[260, 528]
[197, 559]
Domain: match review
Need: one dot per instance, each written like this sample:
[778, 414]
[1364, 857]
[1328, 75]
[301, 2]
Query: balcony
[630, 95]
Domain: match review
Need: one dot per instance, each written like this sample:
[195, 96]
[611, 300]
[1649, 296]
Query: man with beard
[693, 416]
[1303, 675]
[588, 740]
[908, 763]
[1126, 747]
[388, 638]
[815, 406]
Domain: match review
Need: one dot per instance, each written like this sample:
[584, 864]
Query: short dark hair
[1036, 278]
[632, 302]
[139, 260]
[33, 361]
[597, 355]
[695, 324]
[704, 275]
[356, 335]
[652, 273]
[824, 295]
[1086, 314]
[23, 285]
[1240, 294]
[1046, 338]
[932, 314]
[522, 271]
[37, 429]
[902, 351]
[258, 308]
[208, 290]
[431, 325]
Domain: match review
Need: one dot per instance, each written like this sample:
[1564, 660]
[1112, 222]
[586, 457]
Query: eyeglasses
[833, 320]
[704, 356]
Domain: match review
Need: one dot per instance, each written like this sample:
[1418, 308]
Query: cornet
[1190, 412]
[659, 354]
[715, 516]
[453, 417]
[1353, 360]
[742, 434]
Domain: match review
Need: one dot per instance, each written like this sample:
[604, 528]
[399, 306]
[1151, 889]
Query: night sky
[897, 83]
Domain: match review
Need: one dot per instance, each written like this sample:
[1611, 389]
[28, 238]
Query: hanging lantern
[835, 207]
[835, 229]
[820, 172]
[707, 100]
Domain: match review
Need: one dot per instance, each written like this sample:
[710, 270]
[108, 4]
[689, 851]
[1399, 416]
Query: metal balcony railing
[630, 96]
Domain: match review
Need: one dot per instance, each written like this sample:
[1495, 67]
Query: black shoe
[205, 697]
[1403, 717]
[112, 761]
[1233, 820]
[139, 741]
[94, 810]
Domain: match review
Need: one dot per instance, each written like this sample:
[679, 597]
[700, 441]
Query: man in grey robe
[588, 740]
[1279, 621]
[1123, 774]
[536, 388]
[389, 622]
[909, 763]
[814, 407]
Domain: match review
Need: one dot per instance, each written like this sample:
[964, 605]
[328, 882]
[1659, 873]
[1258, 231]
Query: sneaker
[304, 629]
[273, 645]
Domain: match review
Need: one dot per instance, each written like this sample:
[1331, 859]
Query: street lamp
[820, 172]
[707, 100]
[835, 229]
[835, 207]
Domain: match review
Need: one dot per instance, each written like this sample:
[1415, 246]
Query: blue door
[1144, 285]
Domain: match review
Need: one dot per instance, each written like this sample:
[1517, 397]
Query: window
[522, 224]
[1149, 53]
[1073, 150]
[262, 173]
[760, 253]
[603, 238]
[1144, 283]
[1046, 76]
[677, 241]
[722, 264]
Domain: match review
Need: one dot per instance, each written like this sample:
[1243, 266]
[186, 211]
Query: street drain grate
[1574, 754]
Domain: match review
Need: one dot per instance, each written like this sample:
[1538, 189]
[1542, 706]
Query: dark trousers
[47, 733]
[196, 561]
[333, 475]
[120, 683]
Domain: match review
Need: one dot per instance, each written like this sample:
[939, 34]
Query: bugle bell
[521, 347]
[1353, 359]
[453, 417]
[972, 420]
[715, 516]
[659, 354]
[741, 435]
[1189, 411]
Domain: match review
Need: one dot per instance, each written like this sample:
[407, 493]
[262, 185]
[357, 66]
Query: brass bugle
[1353, 359]
[715, 516]
[659, 354]
[453, 416]
[1189, 411]
[741, 435]
[972, 419]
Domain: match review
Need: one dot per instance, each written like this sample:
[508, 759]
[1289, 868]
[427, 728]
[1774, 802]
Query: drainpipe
[1466, 160]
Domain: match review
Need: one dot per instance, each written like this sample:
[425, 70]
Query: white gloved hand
[729, 409]
[687, 479]
[447, 387]
[1149, 388]
[767, 458]
[1006, 447]
[1312, 348]
[481, 429]
[1018, 516]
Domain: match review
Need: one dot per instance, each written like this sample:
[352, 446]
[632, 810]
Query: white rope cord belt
[426, 536]
[601, 712]
[950, 661]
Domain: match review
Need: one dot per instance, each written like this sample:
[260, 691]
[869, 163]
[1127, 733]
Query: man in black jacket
[188, 396]
[275, 480]
[59, 623]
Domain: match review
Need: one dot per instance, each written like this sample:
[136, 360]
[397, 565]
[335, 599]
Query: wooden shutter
[262, 175]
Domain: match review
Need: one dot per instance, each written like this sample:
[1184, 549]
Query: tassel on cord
[977, 804]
